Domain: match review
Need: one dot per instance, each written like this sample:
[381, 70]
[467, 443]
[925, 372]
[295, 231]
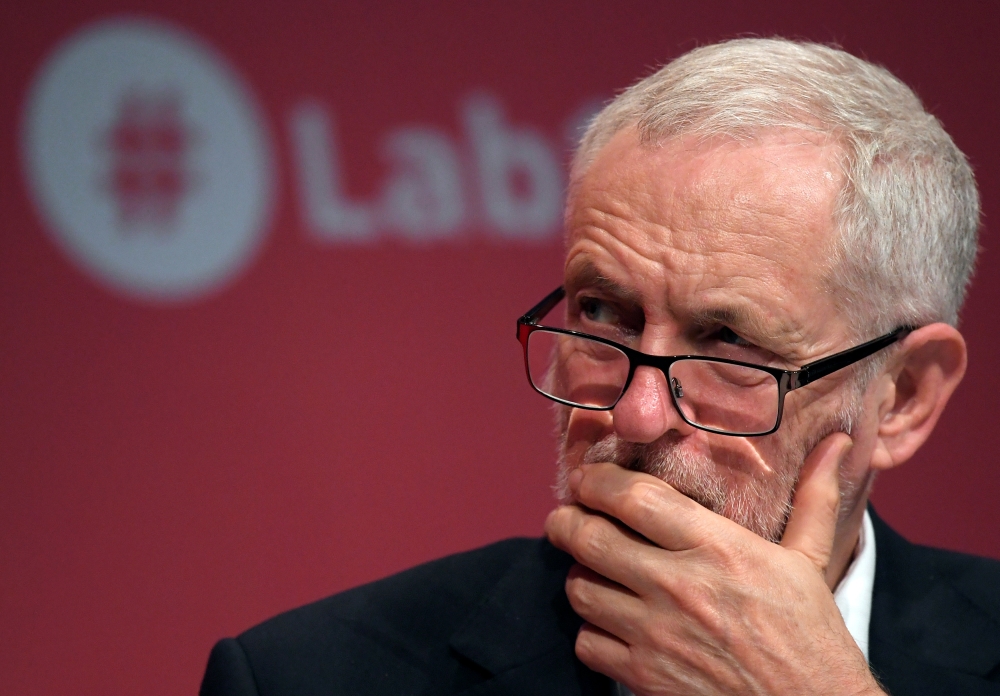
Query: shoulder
[913, 578]
[383, 637]
[935, 617]
[430, 597]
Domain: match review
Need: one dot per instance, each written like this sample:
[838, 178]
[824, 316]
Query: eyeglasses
[728, 397]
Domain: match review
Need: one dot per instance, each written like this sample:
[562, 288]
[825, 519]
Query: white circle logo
[148, 160]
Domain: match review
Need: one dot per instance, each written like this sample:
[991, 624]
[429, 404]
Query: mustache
[760, 504]
[721, 480]
[690, 474]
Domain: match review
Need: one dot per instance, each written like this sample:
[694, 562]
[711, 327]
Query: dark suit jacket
[496, 621]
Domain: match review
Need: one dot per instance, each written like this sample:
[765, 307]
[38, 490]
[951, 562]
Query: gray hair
[908, 213]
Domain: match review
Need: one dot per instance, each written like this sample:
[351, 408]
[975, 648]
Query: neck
[845, 540]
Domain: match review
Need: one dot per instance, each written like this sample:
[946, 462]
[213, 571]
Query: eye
[598, 311]
[727, 335]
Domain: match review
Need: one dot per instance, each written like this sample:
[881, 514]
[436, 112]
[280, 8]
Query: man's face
[717, 249]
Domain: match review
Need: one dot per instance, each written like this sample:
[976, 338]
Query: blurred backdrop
[260, 265]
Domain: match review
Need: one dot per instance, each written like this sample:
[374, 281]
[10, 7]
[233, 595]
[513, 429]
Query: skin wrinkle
[606, 241]
[588, 275]
[784, 337]
[711, 256]
[650, 232]
[712, 159]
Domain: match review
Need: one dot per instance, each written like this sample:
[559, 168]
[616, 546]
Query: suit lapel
[934, 624]
[903, 674]
[524, 630]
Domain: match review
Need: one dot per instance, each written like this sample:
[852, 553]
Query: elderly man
[768, 244]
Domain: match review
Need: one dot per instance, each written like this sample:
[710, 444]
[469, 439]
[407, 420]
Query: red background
[170, 474]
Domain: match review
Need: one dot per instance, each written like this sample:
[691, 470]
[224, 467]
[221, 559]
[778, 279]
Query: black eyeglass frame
[788, 380]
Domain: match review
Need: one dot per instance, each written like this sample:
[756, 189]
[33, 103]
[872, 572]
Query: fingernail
[574, 479]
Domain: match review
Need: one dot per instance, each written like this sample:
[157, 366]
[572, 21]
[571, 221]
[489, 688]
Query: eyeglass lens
[719, 396]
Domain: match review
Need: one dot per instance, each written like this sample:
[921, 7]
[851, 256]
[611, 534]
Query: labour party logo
[148, 160]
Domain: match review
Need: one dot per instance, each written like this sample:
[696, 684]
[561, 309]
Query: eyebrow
[587, 275]
[743, 319]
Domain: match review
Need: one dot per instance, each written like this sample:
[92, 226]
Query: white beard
[757, 501]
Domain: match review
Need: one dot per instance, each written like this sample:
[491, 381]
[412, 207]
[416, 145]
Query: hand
[679, 600]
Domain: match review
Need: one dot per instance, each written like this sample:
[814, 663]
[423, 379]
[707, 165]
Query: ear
[923, 374]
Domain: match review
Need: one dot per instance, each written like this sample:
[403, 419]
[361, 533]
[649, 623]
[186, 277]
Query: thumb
[816, 506]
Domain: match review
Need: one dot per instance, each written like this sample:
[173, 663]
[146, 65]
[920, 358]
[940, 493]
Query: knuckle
[641, 501]
[589, 539]
[732, 559]
[665, 586]
[558, 523]
[585, 648]
[695, 595]
[587, 490]
[700, 599]
[552, 521]
[579, 593]
[644, 675]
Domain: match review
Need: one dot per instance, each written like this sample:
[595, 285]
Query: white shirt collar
[853, 595]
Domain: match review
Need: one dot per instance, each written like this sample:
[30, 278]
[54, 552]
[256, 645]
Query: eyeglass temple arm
[544, 307]
[838, 361]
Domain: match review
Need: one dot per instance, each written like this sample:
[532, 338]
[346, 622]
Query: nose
[646, 412]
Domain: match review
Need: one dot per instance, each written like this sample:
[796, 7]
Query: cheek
[815, 408]
[808, 417]
[751, 456]
[770, 451]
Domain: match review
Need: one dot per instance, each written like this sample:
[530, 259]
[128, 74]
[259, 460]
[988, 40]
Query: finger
[645, 504]
[606, 604]
[605, 547]
[816, 506]
[603, 652]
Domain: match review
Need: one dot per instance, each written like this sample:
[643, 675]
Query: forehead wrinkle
[619, 225]
[763, 202]
[685, 253]
[714, 231]
[731, 238]
[750, 224]
[634, 242]
[772, 327]
[586, 273]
